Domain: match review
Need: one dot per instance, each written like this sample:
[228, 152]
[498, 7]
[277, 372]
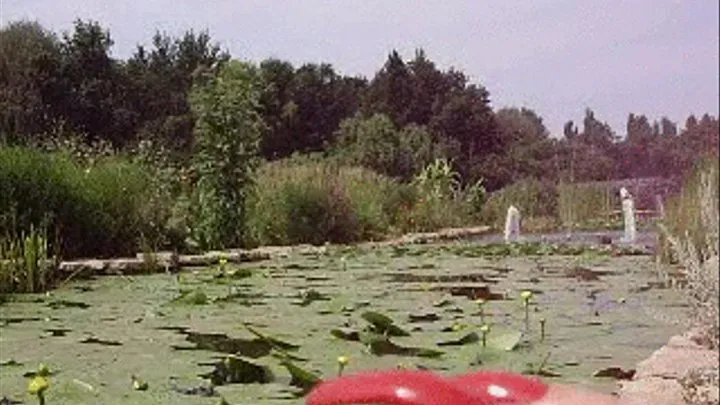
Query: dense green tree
[29, 68]
[161, 80]
[529, 150]
[376, 142]
[390, 92]
[93, 101]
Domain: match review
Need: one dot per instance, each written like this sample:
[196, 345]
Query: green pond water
[599, 311]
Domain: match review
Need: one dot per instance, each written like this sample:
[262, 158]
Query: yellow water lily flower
[343, 360]
[38, 385]
[485, 328]
[526, 295]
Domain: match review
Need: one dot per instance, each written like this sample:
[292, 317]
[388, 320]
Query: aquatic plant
[25, 263]
[40, 383]
[485, 329]
[526, 296]
[342, 361]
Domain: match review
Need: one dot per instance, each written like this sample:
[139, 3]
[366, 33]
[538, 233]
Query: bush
[298, 201]
[90, 211]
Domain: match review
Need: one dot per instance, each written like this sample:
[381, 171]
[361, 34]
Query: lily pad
[427, 317]
[383, 324]
[346, 334]
[236, 370]
[471, 337]
[301, 378]
[381, 345]
[276, 343]
[508, 341]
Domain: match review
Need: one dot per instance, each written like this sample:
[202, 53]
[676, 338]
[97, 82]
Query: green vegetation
[181, 147]
[690, 233]
[266, 337]
[227, 135]
[90, 210]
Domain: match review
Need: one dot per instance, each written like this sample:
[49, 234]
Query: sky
[558, 57]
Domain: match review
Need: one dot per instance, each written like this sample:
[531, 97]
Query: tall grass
[25, 263]
[580, 204]
[317, 201]
[536, 200]
[94, 208]
[690, 232]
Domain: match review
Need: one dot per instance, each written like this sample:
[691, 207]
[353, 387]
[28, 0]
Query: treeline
[395, 123]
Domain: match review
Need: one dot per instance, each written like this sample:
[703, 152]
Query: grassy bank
[118, 205]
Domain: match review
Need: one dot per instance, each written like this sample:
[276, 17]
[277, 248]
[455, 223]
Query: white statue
[660, 205]
[628, 208]
[512, 224]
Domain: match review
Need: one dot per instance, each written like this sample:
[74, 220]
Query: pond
[174, 330]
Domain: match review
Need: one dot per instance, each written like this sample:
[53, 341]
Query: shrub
[298, 201]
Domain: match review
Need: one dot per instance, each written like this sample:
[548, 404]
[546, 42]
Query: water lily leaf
[191, 297]
[506, 341]
[428, 317]
[471, 337]
[383, 324]
[442, 303]
[236, 370]
[346, 334]
[301, 378]
[276, 343]
[380, 345]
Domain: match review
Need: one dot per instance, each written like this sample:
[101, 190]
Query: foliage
[94, 210]
[583, 202]
[317, 202]
[691, 232]
[375, 143]
[228, 133]
[25, 262]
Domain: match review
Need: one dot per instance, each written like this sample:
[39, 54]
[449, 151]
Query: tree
[93, 102]
[390, 92]
[161, 80]
[227, 131]
[278, 108]
[467, 121]
[528, 149]
[376, 143]
[29, 69]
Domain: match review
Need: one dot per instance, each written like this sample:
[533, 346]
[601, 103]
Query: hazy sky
[655, 57]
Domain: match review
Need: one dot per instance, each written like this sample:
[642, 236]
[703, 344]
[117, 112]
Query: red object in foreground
[426, 388]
